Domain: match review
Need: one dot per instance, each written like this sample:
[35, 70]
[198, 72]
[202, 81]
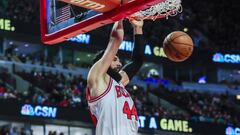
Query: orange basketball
[178, 46]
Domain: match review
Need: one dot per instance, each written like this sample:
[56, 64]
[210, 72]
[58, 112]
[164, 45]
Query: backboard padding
[90, 23]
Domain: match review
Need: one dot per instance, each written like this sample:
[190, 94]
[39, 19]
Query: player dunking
[111, 106]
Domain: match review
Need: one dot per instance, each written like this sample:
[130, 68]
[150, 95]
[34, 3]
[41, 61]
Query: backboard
[63, 19]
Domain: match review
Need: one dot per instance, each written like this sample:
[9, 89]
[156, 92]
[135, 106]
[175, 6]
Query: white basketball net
[166, 8]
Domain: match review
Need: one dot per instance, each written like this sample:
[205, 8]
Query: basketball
[178, 46]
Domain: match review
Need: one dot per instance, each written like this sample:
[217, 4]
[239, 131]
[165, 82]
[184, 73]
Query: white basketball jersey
[114, 111]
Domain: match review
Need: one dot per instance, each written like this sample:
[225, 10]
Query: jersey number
[130, 112]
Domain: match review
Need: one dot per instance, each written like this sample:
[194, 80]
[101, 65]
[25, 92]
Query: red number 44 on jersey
[130, 112]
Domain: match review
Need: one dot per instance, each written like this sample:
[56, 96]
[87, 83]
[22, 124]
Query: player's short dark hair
[115, 75]
[99, 55]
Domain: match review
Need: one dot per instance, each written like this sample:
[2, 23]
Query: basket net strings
[166, 8]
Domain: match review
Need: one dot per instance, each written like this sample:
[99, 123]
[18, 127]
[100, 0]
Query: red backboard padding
[90, 23]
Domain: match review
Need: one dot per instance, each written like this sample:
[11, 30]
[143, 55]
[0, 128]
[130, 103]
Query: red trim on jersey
[90, 99]
[94, 118]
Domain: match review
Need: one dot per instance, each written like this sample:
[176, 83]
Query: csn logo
[82, 38]
[226, 58]
[232, 131]
[39, 111]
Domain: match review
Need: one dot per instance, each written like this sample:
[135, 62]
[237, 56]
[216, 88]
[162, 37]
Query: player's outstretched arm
[97, 73]
[133, 67]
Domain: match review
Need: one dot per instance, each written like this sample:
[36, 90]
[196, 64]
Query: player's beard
[117, 69]
[114, 73]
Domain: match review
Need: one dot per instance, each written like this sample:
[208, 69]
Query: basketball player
[111, 106]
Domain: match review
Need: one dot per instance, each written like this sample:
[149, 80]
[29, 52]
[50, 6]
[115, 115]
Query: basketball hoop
[160, 10]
